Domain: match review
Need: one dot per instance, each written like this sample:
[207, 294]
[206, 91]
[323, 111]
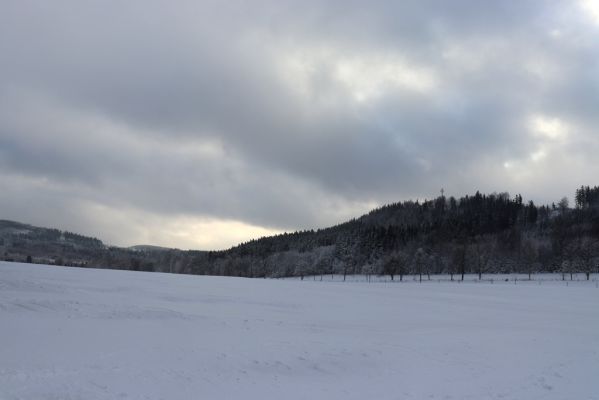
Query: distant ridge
[473, 234]
[148, 247]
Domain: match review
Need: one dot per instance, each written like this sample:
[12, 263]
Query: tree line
[475, 234]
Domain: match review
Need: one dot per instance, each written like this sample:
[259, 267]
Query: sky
[203, 124]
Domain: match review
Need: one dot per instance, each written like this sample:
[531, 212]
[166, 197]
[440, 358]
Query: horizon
[203, 125]
[458, 198]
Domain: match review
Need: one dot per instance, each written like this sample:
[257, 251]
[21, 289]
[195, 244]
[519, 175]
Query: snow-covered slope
[68, 333]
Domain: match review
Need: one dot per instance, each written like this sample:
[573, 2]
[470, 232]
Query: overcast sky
[201, 124]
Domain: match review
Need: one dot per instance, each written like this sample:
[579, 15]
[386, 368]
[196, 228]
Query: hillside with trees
[475, 234]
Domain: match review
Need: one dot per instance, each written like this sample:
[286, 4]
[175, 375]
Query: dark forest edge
[477, 234]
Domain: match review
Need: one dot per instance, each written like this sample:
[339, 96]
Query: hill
[46, 245]
[474, 234]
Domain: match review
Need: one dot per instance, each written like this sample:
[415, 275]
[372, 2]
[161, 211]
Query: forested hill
[479, 233]
[473, 234]
[23, 242]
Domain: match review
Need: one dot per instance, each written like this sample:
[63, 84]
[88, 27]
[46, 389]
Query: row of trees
[474, 234]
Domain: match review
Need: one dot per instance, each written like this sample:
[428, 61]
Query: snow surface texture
[68, 333]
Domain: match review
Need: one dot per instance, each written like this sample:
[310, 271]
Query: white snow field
[69, 333]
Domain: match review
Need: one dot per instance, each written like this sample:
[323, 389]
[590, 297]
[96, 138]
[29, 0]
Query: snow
[69, 333]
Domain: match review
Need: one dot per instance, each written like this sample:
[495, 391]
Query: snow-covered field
[68, 333]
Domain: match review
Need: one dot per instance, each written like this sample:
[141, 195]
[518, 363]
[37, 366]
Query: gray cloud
[286, 115]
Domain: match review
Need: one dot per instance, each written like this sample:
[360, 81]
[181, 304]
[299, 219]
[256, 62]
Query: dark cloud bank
[200, 124]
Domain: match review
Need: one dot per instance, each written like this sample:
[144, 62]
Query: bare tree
[530, 254]
[570, 253]
[371, 268]
[458, 260]
[563, 204]
[419, 261]
[564, 268]
[482, 253]
[394, 264]
[430, 262]
[588, 250]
